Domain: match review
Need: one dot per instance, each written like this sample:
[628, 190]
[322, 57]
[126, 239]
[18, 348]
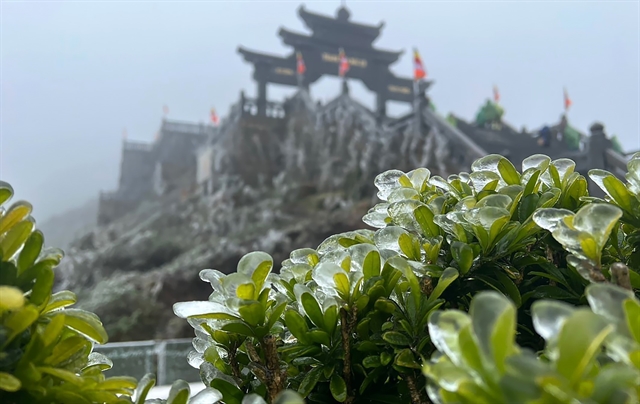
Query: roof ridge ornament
[343, 13]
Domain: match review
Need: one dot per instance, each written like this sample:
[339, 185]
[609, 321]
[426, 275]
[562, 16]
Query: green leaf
[406, 246]
[510, 288]
[371, 362]
[330, 319]
[42, 288]
[312, 308]
[8, 382]
[60, 300]
[631, 309]
[371, 265]
[30, 251]
[319, 337]
[257, 266]
[246, 291]
[310, 381]
[463, 254]
[406, 359]
[16, 213]
[424, 217]
[338, 388]
[493, 318]
[20, 320]
[240, 328]
[385, 305]
[68, 350]
[614, 188]
[448, 276]
[580, 340]
[276, 313]
[87, 324]
[53, 330]
[15, 238]
[531, 183]
[6, 192]
[179, 393]
[62, 374]
[118, 383]
[508, 172]
[144, 386]
[252, 313]
[396, 338]
[231, 394]
[297, 326]
[342, 285]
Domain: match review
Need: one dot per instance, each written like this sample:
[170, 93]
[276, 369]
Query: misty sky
[75, 74]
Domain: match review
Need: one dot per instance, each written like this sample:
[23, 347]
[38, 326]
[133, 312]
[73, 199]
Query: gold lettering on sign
[284, 71]
[398, 89]
[333, 58]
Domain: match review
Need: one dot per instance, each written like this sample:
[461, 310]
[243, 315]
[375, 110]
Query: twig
[347, 320]
[416, 397]
[233, 361]
[276, 377]
[620, 275]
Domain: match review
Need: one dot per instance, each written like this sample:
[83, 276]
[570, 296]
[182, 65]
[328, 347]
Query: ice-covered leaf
[387, 181]
[579, 341]
[493, 318]
[444, 331]
[537, 161]
[549, 316]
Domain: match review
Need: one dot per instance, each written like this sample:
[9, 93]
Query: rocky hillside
[288, 188]
[63, 229]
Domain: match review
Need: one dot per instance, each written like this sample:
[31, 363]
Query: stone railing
[138, 146]
[250, 107]
[186, 127]
[166, 359]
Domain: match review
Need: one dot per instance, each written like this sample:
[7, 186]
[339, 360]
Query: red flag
[419, 71]
[496, 94]
[344, 64]
[165, 110]
[567, 100]
[301, 67]
[214, 116]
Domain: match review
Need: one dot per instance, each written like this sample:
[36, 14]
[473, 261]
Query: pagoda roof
[255, 57]
[318, 22]
[297, 39]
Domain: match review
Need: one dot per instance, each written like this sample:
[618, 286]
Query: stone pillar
[381, 106]
[262, 97]
[597, 144]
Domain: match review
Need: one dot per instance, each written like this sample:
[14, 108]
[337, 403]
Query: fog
[76, 74]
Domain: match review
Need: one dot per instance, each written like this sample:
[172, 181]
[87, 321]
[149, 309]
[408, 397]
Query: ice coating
[419, 178]
[537, 161]
[402, 214]
[597, 219]
[565, 167]
[480, 179]
[487, 163]
[188, 309]
[249, 262]
[549, 316]
[376, 217]
[387, 238]
[387, 182]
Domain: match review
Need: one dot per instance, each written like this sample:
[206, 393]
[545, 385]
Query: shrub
[45, 346]
[355, 319]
